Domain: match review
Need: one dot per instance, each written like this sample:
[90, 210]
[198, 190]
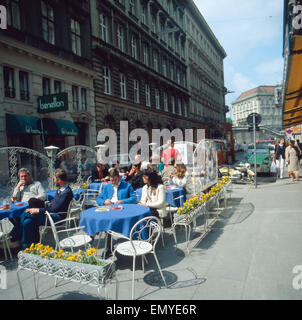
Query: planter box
[68, 270]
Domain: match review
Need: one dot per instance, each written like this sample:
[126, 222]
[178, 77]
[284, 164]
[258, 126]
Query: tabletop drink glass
[14, 199]
[6, 205]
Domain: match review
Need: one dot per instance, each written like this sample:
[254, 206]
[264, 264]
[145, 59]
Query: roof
[258, 90]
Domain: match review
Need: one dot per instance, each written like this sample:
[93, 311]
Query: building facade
[205, 73]
[45, 65]
[261, 100]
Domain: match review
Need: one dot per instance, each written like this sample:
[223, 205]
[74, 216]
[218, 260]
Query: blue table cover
[52, 193]
[95, 186]
[14, 211]
[170, 195]
[115, 220]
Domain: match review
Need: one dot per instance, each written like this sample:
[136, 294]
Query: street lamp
[51, 153]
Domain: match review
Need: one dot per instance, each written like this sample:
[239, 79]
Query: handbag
[273, 167]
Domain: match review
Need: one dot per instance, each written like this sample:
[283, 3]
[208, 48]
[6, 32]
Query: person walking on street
[292, 155]
[279, 157]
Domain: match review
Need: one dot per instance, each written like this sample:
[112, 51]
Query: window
[136, 91]
[57, 86]
[46, 86]
[9, 82]
[157, 99]
[143, 14]
[132, 6]
[170, 39]
[120, 37]
[123, 86]
[185, 109]
[104, 27]
[179, 107]
[165, 67]
[148, 95]
[107, 80]
[134, 47]
[172, 71]
[75, 37]
[75, 98]
[24, 90]
[165, 101]
[173, 104]
[155, 60]
[48, 27]
[178, 75]
[146, 54]
[13, 14]
[154, 23]
[84, 98]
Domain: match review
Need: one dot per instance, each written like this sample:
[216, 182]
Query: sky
[251, 33]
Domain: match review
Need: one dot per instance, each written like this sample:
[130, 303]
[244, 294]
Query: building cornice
[34, 53]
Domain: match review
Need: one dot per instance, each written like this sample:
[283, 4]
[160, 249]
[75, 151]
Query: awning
[57, 127]
[292, 111]
[19, 124]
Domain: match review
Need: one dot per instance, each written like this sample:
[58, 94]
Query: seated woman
[181, 178]
[153, 194]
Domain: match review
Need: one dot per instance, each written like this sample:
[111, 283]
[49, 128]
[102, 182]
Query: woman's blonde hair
[181, 170]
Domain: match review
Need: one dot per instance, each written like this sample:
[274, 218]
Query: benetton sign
[53, 102]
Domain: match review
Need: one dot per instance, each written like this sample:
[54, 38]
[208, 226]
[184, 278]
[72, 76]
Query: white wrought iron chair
[72, 241]
[74, 209]
[5, 229]
[90, 196]
[149, 228]
[171, 209]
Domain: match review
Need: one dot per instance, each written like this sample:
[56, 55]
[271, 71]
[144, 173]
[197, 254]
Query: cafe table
[52, 193]
[15, 211]
[120, 221]
[172, 192]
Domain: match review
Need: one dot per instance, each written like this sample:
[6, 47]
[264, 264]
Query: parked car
[264, 157]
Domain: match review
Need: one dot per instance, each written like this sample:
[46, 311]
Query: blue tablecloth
[52, 193]
[14, 211]
[95, 186]
[115, 220]
[170, 195]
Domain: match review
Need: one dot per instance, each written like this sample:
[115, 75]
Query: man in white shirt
[27, 189]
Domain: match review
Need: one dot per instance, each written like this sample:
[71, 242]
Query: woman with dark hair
[279, 157]
[153, 194]
[292, 155]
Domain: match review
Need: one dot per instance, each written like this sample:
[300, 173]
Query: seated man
[116, 192]
[32, 218]
[165, 174]
[27, 189]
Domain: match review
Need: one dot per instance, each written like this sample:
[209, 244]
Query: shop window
[9, 82]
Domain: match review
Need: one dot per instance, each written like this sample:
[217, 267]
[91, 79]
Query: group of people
[289, 155]
[26, 227]
[151, 177]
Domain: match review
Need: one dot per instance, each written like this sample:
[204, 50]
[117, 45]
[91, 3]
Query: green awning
[17, 124]
[57, 127]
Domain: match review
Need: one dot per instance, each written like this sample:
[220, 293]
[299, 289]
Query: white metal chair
[5, 229]
[150, 228]
[171, 209]
[73, 210]
[90, 196]
[72, 241]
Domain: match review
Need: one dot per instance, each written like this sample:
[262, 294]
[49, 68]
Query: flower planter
[68, 270]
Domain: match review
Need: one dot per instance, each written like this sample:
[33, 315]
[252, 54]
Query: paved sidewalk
[249, 254]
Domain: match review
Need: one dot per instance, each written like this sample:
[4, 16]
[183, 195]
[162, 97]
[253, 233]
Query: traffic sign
[289, 131]
[250, 117]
